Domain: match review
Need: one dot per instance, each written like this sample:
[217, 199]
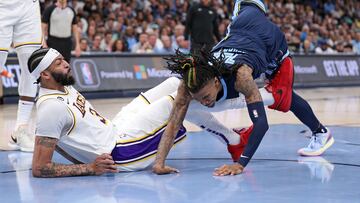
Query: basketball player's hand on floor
[232, 169]
[104, 164]
[161, 170]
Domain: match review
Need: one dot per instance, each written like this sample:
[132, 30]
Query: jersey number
[95, 113]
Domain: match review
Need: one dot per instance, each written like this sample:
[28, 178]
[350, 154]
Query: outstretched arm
[176, 118]
[247, 86]
[42, 165]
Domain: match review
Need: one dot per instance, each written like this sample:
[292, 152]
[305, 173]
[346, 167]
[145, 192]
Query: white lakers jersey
[82, 132]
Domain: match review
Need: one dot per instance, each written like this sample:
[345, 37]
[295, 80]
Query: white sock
[24, 112]
[210, 124]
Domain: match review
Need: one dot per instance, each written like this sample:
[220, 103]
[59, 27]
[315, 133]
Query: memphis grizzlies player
[20, 25]
[253, 46]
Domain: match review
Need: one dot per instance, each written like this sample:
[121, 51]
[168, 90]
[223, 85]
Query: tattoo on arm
[246, 85]
[177, 116]
[61, 170]
[44, 167]
[47, 142]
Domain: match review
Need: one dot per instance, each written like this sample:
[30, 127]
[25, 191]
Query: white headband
[49, 57]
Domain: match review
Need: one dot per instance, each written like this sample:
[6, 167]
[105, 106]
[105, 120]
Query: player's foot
[281, 86]
[22, 140]
[319, 167]
[6, 73]
[237, 150]
[319, 143]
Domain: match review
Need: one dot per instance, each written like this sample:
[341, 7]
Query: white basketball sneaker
[22, 140]
[319, 143]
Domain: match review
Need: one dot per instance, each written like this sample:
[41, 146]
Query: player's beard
[64, 79]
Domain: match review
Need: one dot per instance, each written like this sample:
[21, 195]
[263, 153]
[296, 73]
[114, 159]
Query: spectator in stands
[179, 31]
[143, 46]
[154, 42]
[167, 46]
[184, 45]
[307, 47]
[348, 48]
[90, 34]
[356, 43]
[329, 7]
[96, 44]
[323, 48]
[130, 37]
[119, 46]
[107, 42]
[84, 46]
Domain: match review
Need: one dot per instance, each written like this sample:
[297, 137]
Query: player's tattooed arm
[246, 85]
[176, 118]
[44, 167]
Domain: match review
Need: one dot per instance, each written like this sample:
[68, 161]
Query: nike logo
[242, 156]
[14, 139]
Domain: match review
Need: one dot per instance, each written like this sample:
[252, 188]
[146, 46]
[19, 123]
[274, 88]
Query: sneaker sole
[26, 149]
[320, 151]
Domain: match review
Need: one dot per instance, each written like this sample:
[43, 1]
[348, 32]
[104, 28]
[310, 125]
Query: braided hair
[198, 68]
[35, 59]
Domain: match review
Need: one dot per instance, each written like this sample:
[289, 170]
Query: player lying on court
[253, 46]
[67, 123]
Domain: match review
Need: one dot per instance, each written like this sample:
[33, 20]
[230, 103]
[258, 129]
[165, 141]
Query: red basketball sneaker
[237, 150]
[281, 86]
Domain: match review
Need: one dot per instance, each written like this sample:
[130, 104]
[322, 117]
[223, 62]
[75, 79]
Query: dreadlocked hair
[198, 68]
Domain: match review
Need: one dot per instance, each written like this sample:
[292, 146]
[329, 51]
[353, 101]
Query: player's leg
[321, 139]
[26, 39]
[27, 92]
[286, 99]
[165, 88]
[140, 135]
[169, 86]
[235, 139]
[7, 22]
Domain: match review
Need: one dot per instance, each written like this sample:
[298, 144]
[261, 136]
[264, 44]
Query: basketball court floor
[275, 174]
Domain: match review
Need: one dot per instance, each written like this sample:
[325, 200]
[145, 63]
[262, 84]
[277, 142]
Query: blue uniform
[254, 40]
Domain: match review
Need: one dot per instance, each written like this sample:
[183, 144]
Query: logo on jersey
[140, 72]
[86, 73]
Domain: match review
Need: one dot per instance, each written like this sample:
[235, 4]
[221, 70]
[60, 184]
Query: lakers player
[20, 25]
[67, 123]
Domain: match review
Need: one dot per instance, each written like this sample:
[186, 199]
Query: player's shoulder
[56, 102]
[52, 98]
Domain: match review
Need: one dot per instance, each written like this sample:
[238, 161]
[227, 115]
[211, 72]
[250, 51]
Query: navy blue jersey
[252, 39]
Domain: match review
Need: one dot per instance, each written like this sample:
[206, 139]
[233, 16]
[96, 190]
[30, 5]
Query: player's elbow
[36, 172]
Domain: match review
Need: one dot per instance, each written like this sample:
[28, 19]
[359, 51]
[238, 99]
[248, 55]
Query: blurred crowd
[157, 26]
